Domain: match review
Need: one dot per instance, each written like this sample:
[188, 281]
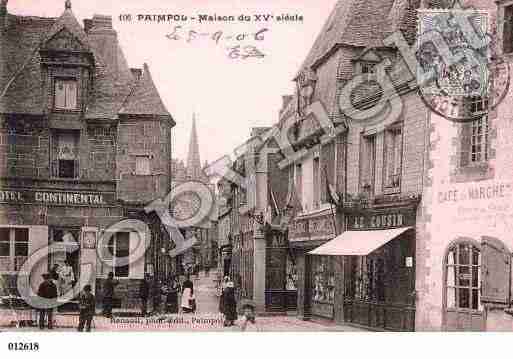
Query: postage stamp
[439, 27]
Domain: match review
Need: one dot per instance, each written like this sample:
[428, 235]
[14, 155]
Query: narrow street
[207, 318]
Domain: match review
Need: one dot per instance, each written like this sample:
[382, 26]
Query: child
[87, 309]
[248, 322]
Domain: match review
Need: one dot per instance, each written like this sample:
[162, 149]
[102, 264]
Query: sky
[228, 95]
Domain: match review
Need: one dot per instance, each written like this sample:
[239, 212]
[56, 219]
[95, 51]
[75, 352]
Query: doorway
[463, 310]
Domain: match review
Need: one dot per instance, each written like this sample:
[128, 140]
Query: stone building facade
[73, 161]
[464, 255]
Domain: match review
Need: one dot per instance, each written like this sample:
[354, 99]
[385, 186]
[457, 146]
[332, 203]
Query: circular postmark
[480, 97]
[459, 75]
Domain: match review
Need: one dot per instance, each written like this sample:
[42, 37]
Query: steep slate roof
[115, 86]
[145, 98]
[360, 23]
[19, 56]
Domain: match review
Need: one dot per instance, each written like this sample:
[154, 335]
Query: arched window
[463, 276]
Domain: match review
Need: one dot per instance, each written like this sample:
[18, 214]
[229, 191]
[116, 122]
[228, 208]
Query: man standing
[46, 290]
[108, 295]
[87, 309]
[144, 291]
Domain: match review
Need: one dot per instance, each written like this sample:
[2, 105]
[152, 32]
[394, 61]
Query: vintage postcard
[255, 166]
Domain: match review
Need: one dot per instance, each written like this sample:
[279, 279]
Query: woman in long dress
[229, 305]
[66, 276]
[188, 299]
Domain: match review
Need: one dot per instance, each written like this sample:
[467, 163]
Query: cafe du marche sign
[56, 198]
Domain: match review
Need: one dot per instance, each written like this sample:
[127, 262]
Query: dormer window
[65, 94]
[367, 68]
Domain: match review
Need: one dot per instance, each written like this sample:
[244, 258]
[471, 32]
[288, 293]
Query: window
[142, 165]
[118, 246]
[368, 164]
[479, 140]
[65, 154]
[463, 277]
[14, 247]
[368, 68]
[316, 187]
[507, 37]
[478, 105]
[323, 277]
[65, 94]
[393, 157]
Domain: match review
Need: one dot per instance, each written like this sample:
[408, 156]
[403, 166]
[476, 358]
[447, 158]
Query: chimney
[3, 14]
[102, 21]
[136, 73]
[88, 25]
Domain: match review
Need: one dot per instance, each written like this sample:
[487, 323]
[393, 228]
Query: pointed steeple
[193, 157]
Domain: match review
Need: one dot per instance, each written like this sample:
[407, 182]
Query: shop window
[323, 276]
[507, 30]
[393, 157]
[463, 277]
[14, 247]
[367, 164]
[142, 165]
[65, 94]
[316, 188]
[65, 157]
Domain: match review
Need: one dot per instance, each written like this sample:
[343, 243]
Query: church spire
[193, 157]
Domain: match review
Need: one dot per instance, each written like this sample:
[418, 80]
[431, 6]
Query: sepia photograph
[342, 167]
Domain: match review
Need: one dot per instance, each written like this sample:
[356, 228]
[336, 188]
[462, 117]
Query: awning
[358, 243]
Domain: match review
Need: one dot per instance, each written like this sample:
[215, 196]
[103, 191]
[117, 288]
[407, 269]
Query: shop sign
[381, 220]
[312, 227]
[89, 240]
[56, 198]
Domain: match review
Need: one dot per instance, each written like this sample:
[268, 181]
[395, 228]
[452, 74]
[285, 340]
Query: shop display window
[323, 276]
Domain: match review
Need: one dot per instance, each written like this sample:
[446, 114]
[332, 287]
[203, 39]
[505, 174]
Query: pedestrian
[48, 290]
[172, 296]
[188, 299]
[144, 292]
[207, 270]
[248, 322]
[66, 277]
[229, 305]
[87, 305]
[222, 287]
[54, 275]
[108, 294]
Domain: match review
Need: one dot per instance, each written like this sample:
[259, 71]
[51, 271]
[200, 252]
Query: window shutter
[496, 271]
[466, 144]
[136, 270]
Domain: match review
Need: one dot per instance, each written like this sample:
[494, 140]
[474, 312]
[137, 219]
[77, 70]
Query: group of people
[167, 294]
[171, 293]
[48, 290]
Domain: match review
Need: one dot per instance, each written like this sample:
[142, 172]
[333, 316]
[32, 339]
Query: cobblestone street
[207, 318]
